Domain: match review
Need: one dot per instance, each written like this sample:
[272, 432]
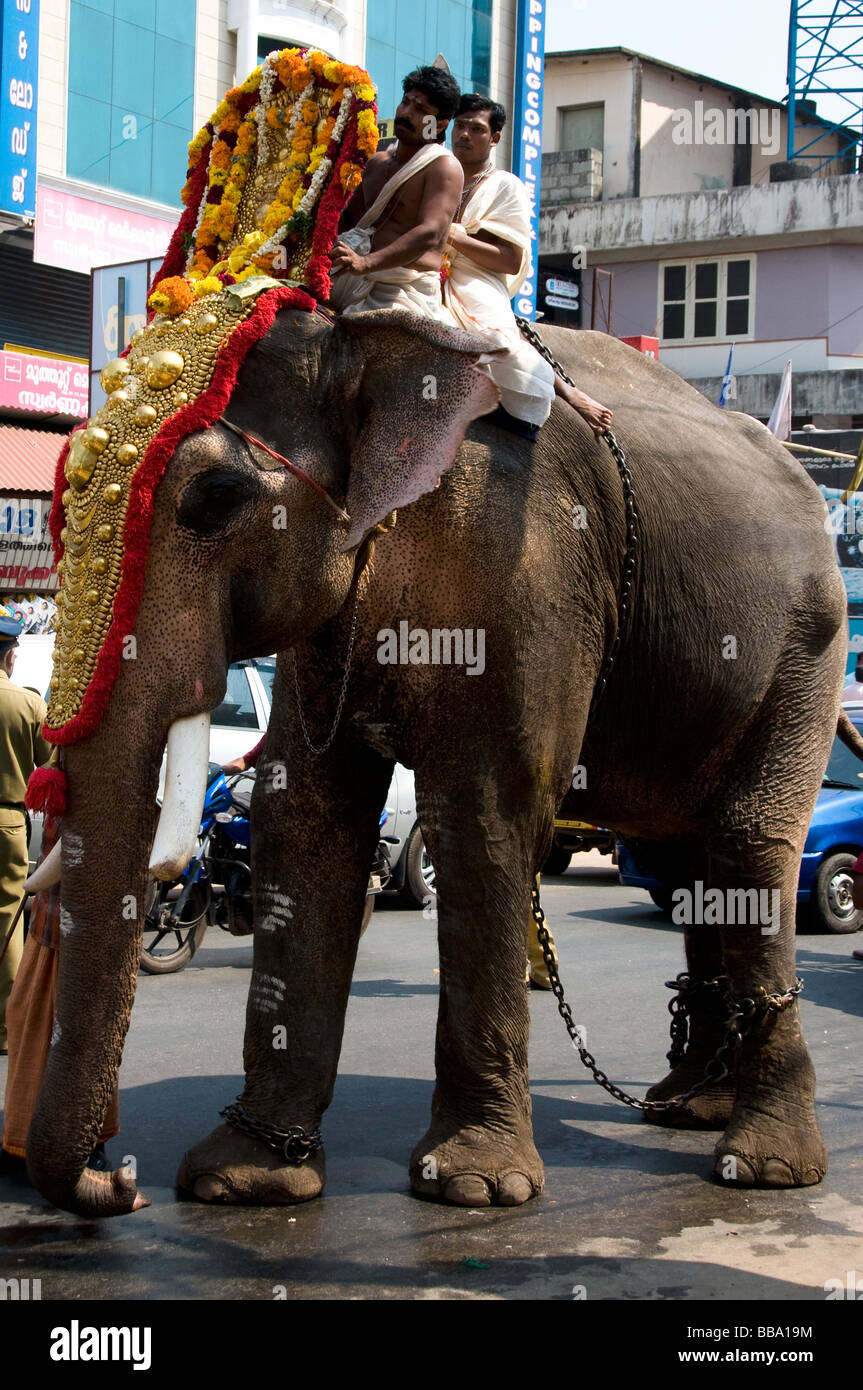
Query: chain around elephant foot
[697, 1032]
[475, 1167]
[232, 1167]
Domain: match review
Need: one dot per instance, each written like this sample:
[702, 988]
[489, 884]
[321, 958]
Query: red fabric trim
[197, 415]
[46, 792]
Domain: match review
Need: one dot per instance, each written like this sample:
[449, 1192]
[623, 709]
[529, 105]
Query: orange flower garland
[322, 155]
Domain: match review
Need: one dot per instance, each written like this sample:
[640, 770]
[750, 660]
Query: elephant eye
[212, 500]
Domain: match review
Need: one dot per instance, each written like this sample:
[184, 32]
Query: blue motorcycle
[216, 888]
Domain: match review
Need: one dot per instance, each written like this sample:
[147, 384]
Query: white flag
[780, 419]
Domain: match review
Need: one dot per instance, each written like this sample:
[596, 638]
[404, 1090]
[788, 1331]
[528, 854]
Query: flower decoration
[302, 124]
[173, 296]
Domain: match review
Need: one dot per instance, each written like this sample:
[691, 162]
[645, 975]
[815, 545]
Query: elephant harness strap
[286, 463]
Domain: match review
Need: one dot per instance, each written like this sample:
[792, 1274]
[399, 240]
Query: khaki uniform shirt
[22, 747]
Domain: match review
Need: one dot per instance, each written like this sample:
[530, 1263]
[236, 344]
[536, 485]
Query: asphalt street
[630, 1211]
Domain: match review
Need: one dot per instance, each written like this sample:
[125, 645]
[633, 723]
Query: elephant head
[243, 558]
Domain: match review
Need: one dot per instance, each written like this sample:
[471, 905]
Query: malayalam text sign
[80, 233]
[47, 385]
[19, 81]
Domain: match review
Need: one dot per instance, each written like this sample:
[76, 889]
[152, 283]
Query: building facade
[672, 191]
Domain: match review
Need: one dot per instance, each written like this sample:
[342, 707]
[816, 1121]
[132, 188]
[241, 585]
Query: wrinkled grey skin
[717, 755]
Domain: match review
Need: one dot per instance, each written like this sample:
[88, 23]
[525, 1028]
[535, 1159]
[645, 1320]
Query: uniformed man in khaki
[22, 747]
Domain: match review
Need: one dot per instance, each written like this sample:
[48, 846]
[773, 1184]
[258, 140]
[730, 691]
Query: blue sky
[739, 41]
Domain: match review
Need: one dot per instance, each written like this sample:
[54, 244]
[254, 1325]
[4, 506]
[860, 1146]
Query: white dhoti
[479, 299]
[400, 287]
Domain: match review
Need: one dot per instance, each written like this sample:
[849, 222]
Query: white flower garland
[321, 173]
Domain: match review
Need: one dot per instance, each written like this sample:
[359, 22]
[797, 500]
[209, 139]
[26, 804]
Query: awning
[28, 459]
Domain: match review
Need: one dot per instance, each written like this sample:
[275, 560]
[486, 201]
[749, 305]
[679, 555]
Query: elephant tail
[849, 735]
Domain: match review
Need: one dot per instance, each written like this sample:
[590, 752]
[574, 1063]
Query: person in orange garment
[30, 1024]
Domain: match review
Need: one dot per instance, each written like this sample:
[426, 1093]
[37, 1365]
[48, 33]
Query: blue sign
[527, 131]
[19, 75]
[118, 298]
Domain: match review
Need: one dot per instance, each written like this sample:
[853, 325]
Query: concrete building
[675, 185]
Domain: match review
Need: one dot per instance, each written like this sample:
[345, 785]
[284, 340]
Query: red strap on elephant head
[292, 467]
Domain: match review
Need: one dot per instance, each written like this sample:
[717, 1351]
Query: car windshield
[266, 668]
[844, 767]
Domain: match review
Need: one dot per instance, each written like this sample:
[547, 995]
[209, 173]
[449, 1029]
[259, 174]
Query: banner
[527, 132]
[78, 233]
[46, 385]
[19, 81]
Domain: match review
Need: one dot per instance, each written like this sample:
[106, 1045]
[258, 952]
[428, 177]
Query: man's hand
[345, 258]
[459, 239]
[235, 765]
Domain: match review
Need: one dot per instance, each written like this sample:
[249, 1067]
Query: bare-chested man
[393, 230]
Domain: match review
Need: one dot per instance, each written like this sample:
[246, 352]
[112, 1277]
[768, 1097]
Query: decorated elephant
[713, 731]
[236, 496]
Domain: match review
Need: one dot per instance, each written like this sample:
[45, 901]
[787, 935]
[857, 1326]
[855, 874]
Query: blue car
[834, 841]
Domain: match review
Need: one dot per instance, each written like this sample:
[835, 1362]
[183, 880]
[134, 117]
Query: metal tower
[825, 58]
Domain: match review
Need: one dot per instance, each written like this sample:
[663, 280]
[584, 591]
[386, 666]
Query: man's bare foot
[598, 416]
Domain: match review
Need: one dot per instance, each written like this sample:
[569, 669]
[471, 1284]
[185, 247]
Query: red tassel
[46, 792]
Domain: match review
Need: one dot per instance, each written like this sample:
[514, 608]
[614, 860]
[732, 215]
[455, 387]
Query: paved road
[629, 1211]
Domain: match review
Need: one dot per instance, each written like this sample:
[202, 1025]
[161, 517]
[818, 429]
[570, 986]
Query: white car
[236, 726]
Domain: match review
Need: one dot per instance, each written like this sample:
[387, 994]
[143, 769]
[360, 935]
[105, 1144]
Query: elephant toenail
[731, 1168]
[468, 1190]
[775, 1172]
[209, 1188]
[514, 1189]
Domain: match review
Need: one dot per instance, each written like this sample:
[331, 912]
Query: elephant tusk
[183, 803]
[47, 873]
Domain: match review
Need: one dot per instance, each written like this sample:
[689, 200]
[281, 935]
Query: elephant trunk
[107, 832]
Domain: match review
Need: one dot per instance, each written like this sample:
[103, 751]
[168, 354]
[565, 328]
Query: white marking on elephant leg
[278, 907]
[73, 850]
[55, 1034]
[66, 922]
[267, 992]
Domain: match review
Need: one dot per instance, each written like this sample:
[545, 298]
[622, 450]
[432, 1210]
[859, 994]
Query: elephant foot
[229, 1166]
[474, 1167]
[760, 1151]
[712, 1110]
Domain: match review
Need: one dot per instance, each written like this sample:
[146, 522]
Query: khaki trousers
[537, 970]
[13, 872]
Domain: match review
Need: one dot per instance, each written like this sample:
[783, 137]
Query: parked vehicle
[834, 841]
[216, 887]
[575, 837]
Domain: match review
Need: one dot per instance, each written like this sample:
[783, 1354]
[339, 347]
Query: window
[405, 34]
[129, 107]
[707, 301]
[267, 44]
[237, 710]
[581, 127]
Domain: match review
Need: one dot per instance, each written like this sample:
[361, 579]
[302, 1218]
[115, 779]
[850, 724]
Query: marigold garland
[326, 152]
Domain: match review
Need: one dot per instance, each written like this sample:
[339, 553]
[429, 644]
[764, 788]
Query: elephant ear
[419, 391]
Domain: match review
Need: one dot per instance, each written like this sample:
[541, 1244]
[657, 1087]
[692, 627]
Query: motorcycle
[216, 888]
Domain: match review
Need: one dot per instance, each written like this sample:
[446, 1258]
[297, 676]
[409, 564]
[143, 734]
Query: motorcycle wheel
[170, 942]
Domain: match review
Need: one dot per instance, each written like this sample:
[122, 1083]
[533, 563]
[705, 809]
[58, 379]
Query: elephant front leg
[479, 1147]
[311, 867]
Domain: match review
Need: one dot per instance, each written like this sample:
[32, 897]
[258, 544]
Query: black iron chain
[530, 334]
[680, 1006]
[743, 1013]
[294, 1144]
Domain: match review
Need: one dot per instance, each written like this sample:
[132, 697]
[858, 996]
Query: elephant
[709, 739]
